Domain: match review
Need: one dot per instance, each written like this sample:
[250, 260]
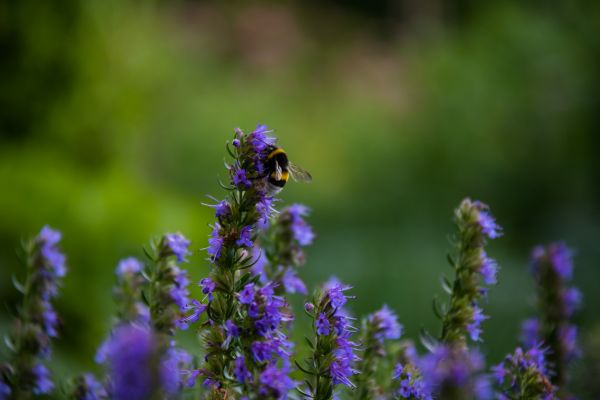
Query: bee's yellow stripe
[278, 150]
[285, 175]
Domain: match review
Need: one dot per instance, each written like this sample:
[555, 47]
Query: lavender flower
[453, 372]
[322, 324]
[245, 239]
[410, 384]
[129, 266]
[208, 287]
[239, 178]
[472, 268]
[552, 268]
[378, 327]
[240, 371]
[133, 356]
[168, 293]
[196, 309]
[5, 390]
[524, 375]
[215, 243]
[36, 321]
[87, 387]
[177, 245]
[302, 232]
[333, 353]
[282, 244]
[275, 383]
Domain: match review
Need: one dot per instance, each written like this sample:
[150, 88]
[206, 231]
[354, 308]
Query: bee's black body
[277, 167]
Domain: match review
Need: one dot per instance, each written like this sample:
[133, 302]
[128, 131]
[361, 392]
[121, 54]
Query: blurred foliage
[114, 114]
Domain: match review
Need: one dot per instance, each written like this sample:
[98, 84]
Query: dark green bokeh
[114, 114]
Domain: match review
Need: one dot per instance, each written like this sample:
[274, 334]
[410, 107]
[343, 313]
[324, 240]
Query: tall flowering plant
[246, 348]
[451, 370]
[36, 321]
[244, 319]
[557, 300]
[333, 353]
[281, 250]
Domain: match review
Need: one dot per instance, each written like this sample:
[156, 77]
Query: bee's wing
[298, 174]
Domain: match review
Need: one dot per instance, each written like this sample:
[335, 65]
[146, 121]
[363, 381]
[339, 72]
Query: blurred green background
[114, 115]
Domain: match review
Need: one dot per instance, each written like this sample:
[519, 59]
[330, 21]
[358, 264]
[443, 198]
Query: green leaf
[18, 285]
[303, 369]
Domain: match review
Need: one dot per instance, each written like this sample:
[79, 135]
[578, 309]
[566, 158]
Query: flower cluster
[524, 375]
[376, 328]
[281, 249]
[140, 368]
[455, 372]
[472, 268]
[37, 321]
[410, 383]
[552, 268]
[333, 352]
[244, 320]
[128, 292]
[266, 351]
[87, 387]
[235, 302]
[168, 293]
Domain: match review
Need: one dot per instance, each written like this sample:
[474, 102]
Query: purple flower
[571, 298]
[263, 208]
[487, 222]
[309, 307]
[178, 245]
[530, 332]
[208, 287]
[259, 140]
[386, 324]
[336, 295]
[488, 269]
[245, 238]
[50, 319]
[236, 143]
[43, 383]
[239, 178]
[49, 239]
[561, 258]
[90, 389]
[524, 372]
[558, 255]
[322, 324]
[302, 232]
[215, 243]
[292, 283]
[5, 390]
[129, 266]
[231, 329]
[275, 382]
[410, 387]
[197, 309]
[247, 294]
[568, 338]
[240, 371]
[341, 368]
[129, 354]
[455, 369]
[474, 327]
[179, 291]
[222, 209]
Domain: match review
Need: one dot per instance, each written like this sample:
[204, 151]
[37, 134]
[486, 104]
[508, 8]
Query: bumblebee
[278, 169]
